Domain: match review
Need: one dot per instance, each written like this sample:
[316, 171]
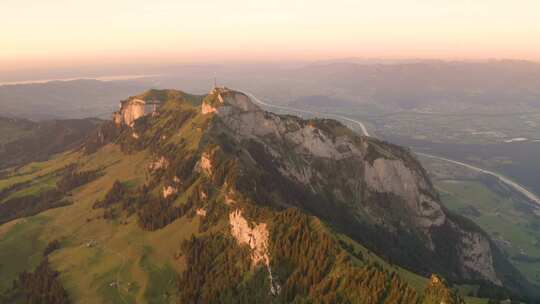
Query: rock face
[227, 100]
[381, 184]
[205, 164]
[168, 191]
[207, 109]
[392, 176]
[476, 256]
[133, 109]
[201, 212]
[130, 111]
[160, 163]
[257, 240]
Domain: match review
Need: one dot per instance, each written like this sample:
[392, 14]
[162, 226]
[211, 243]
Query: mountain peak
[223, 100]
[148, 102]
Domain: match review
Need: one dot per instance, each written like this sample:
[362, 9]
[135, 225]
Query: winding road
[519, 188]
[531, 196]
[359, 123]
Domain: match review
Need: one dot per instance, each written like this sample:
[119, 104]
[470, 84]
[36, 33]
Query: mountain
[371, 86]
[442, 86]
[23, 141]
[208, 199]
[415, 85]
[65, 99]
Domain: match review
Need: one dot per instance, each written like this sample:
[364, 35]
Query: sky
[55, 33]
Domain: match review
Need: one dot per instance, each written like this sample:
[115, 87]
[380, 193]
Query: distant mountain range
[397, 85]
[65, 99]
[23, 141]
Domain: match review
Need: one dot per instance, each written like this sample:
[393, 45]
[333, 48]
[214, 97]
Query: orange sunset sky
[42, 33]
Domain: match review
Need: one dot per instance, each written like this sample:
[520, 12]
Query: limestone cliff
[378, 183]
[257, 240]
[133, 109]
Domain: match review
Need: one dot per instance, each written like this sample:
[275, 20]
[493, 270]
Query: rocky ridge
[323, 156]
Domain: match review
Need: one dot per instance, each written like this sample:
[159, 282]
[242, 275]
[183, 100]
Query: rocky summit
[210, 199]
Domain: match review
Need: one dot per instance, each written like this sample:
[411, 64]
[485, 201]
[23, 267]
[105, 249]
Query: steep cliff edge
[130, 110]
[147, 103]
[320, 165]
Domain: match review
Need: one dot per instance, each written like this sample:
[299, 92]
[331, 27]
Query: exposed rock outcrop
[207, 109]
[392, 176]
[160, 163]
[475, 255]
[256, 237]
[130, 111]
[168, 191]
[257, 240]
[205, 164]
[201, 212]
[133, 109]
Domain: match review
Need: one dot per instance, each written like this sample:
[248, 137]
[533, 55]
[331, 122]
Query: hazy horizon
[58, 34]
[270, 151]
[139, 71]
